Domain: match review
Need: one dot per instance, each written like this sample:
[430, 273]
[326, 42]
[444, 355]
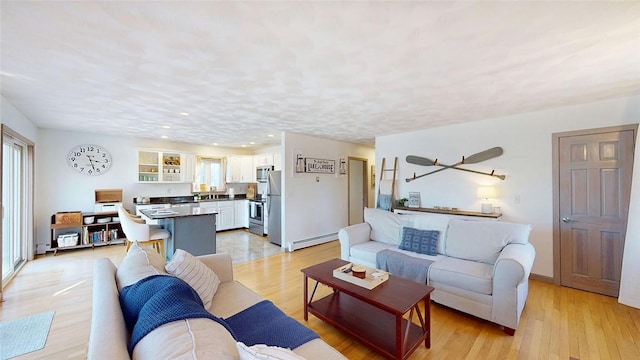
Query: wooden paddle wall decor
[471, 159]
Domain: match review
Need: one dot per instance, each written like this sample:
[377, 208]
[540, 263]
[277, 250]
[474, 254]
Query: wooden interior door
[594, 186]
[357, 174]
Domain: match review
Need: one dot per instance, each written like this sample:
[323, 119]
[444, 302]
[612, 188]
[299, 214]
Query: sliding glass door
[15, 186]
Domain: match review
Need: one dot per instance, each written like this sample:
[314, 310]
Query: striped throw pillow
[195, 273]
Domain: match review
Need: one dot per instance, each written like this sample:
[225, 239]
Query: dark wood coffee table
[374, 317]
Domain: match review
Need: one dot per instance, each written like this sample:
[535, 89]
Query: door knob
[567, 220]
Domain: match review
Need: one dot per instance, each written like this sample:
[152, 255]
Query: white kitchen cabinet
[208, 205]
[277, 161]
[242, 214]
[262, 160]
[233, 169]
[265, 218]
[240, 169]
[188, 167]
[225, 219]
[226, 215]
[248, 171]
[163, 166]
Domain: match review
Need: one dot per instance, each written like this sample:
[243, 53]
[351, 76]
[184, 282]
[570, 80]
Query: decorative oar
[472, 159]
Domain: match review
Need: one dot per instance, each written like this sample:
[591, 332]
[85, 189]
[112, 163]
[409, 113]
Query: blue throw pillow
[420, 241]
[384, 201]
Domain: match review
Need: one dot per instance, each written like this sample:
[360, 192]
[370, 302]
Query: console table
[404, 209]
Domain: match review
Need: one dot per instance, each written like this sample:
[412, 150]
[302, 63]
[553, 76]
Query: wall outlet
[516, 199]
[317, 178]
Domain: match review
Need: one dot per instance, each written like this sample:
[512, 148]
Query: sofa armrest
[220, 264]
[514, 264]
[511, 284]
[108, 338]
[351, 235]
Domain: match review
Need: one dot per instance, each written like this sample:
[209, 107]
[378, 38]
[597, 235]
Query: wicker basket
[69, 218]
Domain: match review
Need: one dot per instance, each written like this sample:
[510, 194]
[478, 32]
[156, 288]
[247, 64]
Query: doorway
[592, 185]
[17, 199]
[358, 196]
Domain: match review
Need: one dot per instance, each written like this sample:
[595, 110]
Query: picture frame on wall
[414, 200]
[373, 176]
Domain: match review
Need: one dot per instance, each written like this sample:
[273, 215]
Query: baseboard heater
[301, 244]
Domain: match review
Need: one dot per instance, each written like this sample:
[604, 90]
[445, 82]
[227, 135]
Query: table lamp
[486, 193]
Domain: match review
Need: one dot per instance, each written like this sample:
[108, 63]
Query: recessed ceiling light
[164, 136]
[166, 127]
[270, 135]
[252, 142]
[184, 113]
[215, 144]
[243, 145]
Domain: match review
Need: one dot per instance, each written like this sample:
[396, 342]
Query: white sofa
[182, 339]
[481, 267]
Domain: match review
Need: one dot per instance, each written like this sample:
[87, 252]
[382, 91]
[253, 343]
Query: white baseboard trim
[317, 240]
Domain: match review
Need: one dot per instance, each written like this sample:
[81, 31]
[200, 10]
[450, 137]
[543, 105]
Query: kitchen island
[193, 229]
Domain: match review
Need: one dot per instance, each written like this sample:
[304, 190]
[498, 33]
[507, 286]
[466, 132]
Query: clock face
[89, 159]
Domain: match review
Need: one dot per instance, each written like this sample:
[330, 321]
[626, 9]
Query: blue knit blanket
[264, 323]
[160, 299]
[157, 300]
[404, 266]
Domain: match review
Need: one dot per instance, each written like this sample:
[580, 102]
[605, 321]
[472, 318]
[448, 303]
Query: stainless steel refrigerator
[274, 206]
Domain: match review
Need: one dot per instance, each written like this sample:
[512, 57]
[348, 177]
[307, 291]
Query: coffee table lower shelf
[368, 324]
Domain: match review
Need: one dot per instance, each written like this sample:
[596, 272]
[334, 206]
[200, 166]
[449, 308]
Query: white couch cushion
[434, 222]
[463, 274]
[187, 339]
[365, 252]
[482, 240]
[231, 298]
[139, 263]
[199, 276]
[426, 221]
[264, 352]
[385, 225]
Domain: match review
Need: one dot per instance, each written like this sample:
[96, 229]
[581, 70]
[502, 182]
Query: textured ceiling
[350, 71]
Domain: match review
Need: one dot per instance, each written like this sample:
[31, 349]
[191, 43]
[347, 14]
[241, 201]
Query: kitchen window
[210, 172]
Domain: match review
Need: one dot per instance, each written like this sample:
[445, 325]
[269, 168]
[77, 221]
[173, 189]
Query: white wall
[527, 162]
[630, 282]
[14, 119]
[60, 188]
[315, 209]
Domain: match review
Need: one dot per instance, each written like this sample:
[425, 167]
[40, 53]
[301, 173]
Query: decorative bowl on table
[359, 271]
[88, 220]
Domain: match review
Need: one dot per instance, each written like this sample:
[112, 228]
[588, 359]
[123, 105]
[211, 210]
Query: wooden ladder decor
[394, 170]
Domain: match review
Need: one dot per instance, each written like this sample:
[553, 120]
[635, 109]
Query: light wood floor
[558, 323]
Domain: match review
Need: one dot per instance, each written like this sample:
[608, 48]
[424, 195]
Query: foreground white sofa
[188, 339]
[481, 267]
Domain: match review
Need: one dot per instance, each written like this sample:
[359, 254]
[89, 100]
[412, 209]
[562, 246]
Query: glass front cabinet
[160, 166]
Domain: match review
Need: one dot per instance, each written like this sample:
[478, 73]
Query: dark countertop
[224, 199]
[186, 199]
[177, 212]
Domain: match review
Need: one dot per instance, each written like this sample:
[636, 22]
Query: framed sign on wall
[321, 166]
[414, 200]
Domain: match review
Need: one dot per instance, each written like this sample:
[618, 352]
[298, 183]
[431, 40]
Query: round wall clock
[89, 159]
